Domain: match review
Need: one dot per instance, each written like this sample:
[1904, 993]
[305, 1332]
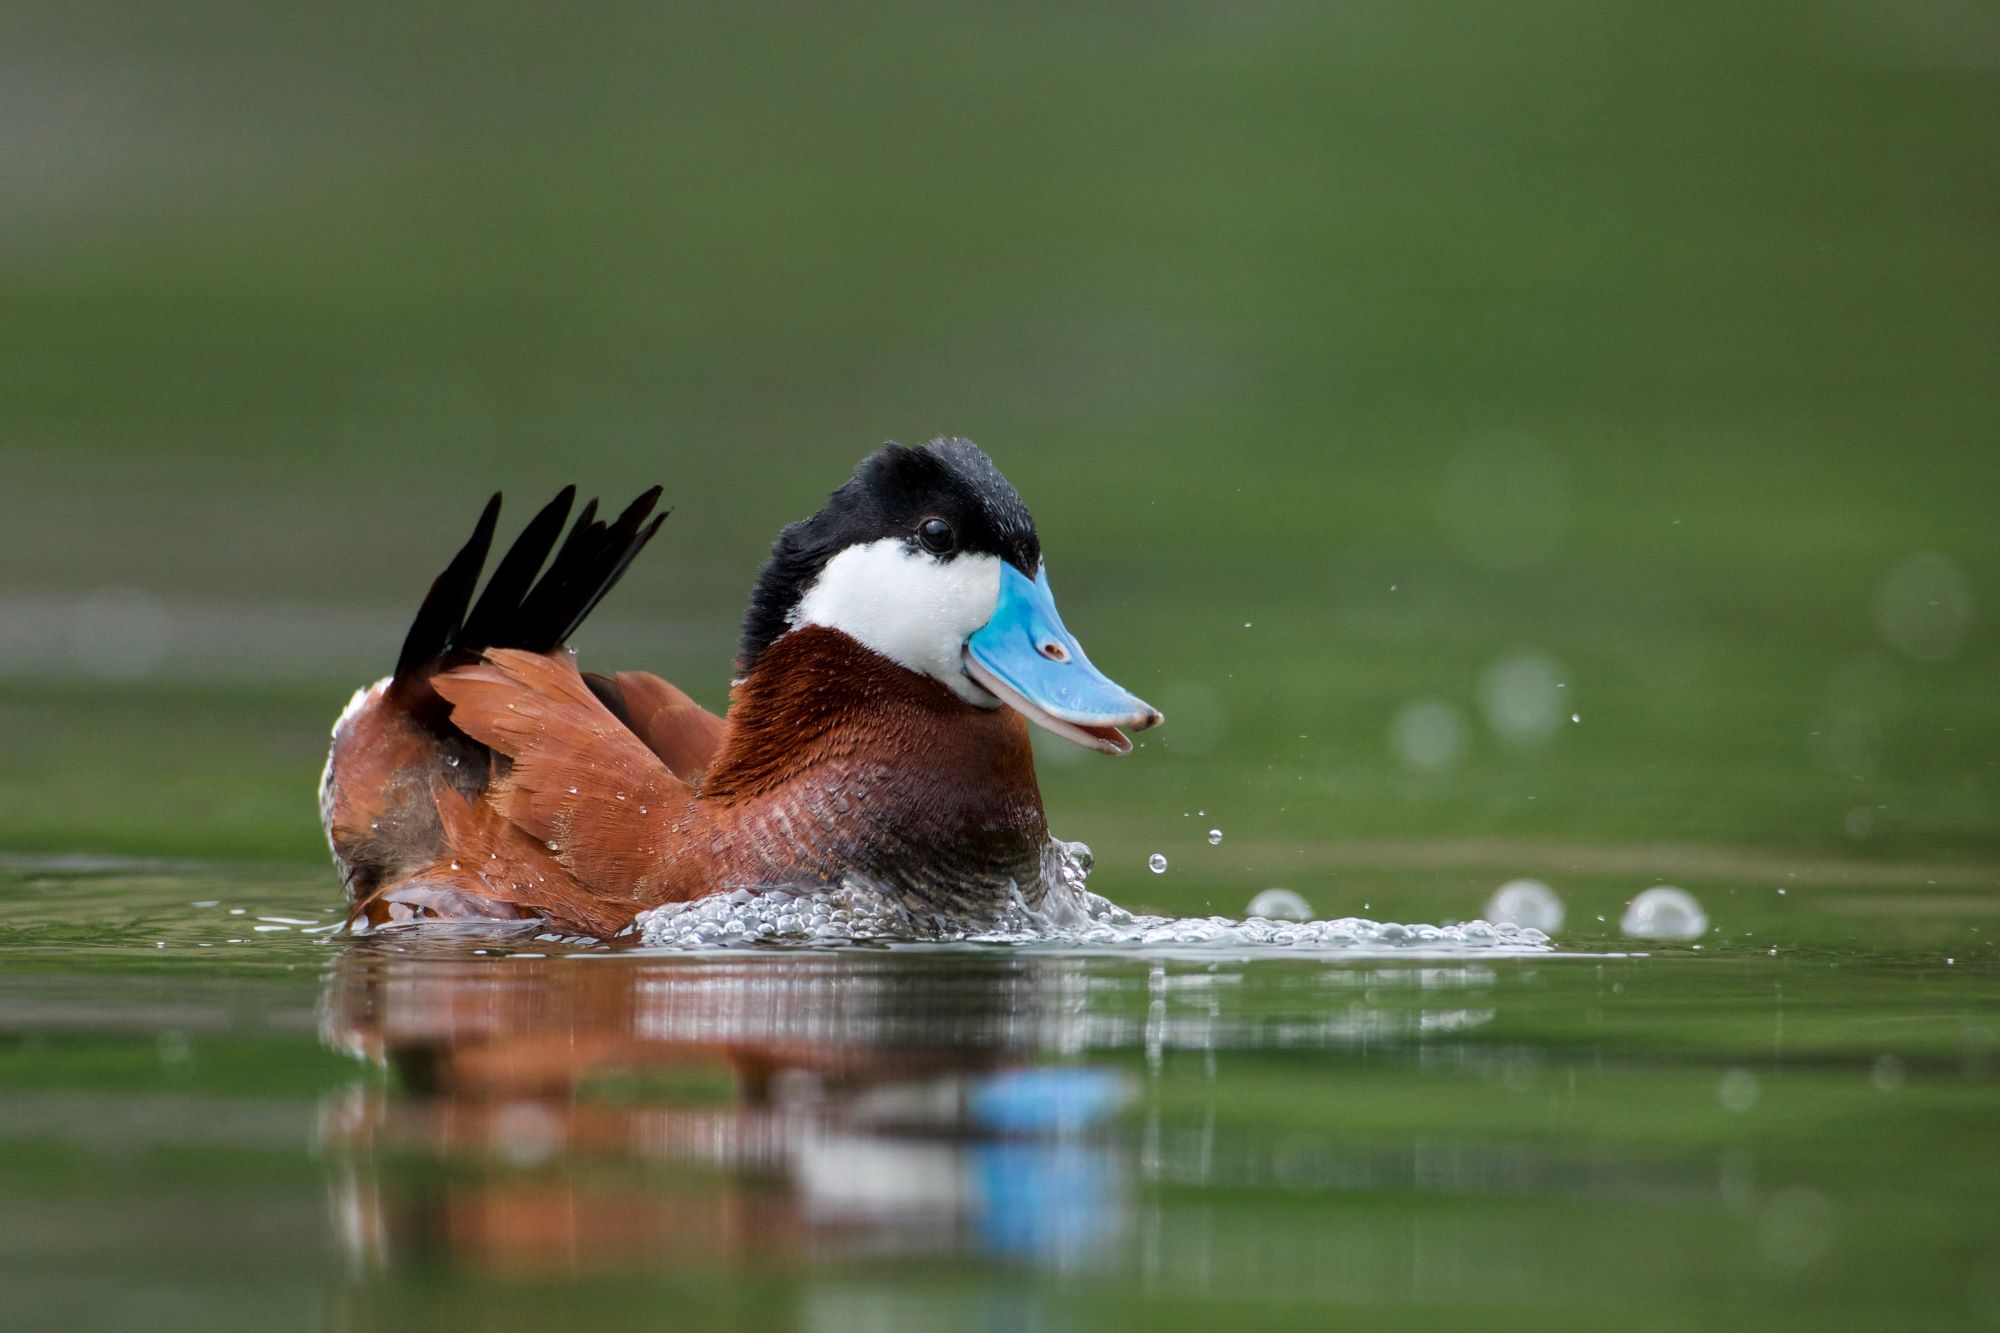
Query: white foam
[1070, 916]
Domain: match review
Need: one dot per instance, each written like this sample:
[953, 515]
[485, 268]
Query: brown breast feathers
[839, 761]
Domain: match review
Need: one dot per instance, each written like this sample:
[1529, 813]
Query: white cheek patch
[912, 608]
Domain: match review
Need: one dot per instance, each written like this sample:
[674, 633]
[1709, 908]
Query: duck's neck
[871, 769]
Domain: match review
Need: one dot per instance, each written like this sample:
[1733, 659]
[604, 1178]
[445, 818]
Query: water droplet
[1157, 864]
[1576, 717]
[1664, 912]
[1279, 905]
[1215, 837]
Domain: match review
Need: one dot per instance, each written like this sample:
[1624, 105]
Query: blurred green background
[1392, 383]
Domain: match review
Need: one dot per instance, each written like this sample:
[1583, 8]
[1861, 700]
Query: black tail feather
[518, 609]
[515, 574]
[624, 540]
[629, 552]
[593, 562]
[443, 610]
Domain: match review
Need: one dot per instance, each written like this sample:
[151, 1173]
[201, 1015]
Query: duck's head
[928, 557]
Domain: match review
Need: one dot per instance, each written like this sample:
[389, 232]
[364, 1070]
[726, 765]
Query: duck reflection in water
[616, 1113]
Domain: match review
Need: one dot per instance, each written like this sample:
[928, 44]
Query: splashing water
[1069, 916]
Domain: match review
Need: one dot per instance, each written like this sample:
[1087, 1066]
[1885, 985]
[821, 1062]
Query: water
[492, 1130]
[1069, 917]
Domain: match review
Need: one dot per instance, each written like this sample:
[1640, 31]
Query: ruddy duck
[898, 642]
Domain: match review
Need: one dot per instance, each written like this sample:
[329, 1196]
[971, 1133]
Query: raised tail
[519, 609]
[396, 750]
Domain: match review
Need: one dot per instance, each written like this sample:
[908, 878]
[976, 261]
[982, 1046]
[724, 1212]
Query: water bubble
[1923, 607]
[1737, 1091]
[1279, 905]
[1157, 864]
[1215, 837]
[1664, 912]
[1428, 735]
[1576, 717]
[1518, 695]
[1526, 902]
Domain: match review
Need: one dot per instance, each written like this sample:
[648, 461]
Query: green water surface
[206, 1125]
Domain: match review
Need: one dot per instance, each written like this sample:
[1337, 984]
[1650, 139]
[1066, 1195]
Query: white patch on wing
[911, 607]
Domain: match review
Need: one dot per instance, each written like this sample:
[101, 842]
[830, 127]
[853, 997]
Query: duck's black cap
[892, 493]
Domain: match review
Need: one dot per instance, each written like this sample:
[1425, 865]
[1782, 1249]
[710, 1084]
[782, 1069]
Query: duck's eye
[937, 536]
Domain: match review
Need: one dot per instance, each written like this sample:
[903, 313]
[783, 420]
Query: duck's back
[408, 796]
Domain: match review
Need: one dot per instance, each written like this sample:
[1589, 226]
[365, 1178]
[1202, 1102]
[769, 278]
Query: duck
[897, 646]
